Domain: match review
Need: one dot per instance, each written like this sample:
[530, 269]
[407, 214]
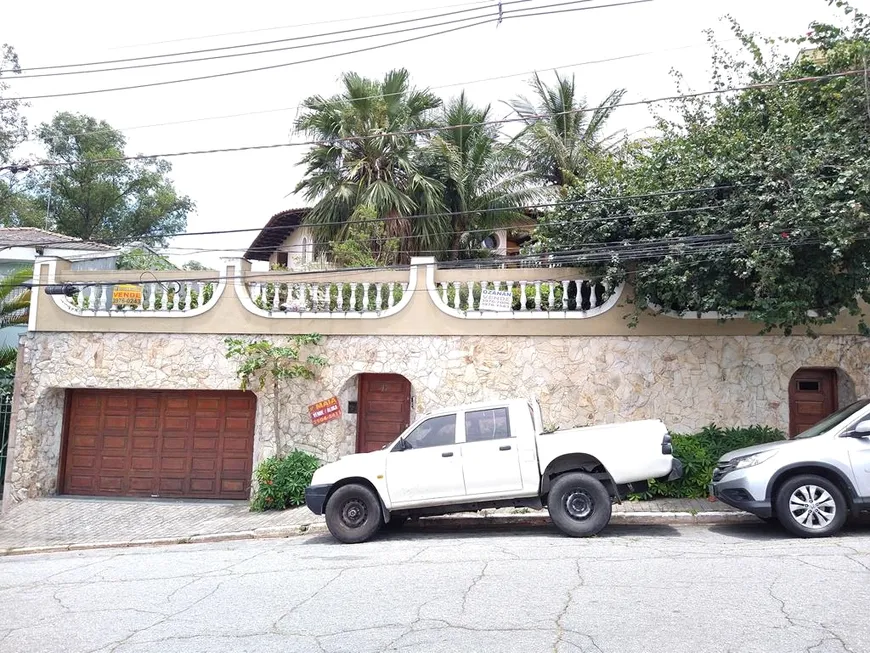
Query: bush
[281, 481]
[699, 453]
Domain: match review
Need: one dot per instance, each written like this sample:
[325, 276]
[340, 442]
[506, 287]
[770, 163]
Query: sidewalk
[64, 523]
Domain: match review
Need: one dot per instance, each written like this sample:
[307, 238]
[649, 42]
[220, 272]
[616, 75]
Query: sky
[243, 189]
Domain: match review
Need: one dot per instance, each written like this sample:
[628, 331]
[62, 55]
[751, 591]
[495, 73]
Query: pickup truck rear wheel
[579, 504]
[353, 514]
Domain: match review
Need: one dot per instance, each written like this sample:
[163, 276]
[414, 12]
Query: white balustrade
[157, 298]
[532, 297]
[325, 298]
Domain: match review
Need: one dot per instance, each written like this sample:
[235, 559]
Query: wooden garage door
[159, 444]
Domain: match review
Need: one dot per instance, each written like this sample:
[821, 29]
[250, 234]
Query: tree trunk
[454, 245]
[276, 418]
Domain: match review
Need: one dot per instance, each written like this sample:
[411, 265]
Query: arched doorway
[812, 396]
[383, 410]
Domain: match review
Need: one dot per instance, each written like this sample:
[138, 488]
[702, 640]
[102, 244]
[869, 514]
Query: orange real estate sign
[324, 411]
[127, 295]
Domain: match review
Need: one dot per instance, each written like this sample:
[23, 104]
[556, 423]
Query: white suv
[810, 483]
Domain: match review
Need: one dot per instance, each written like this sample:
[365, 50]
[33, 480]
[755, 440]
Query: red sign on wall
[324, 411]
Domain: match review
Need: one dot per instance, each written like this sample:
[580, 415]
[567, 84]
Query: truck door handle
[447, 454]
[506, 447]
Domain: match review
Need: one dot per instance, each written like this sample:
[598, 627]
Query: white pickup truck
[492, 455]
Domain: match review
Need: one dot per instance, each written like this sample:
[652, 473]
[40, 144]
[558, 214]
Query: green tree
[264, 364]
[106, 201]
[141, 258]
[13, 126]
[365, 160]
[561, 131]
[15, 298]
[483, 178]
[195, 266]
[16, 206]
[782, 230]
[366, 243]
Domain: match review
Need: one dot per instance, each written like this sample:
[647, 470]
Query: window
[483, 425]
[436, 432]
[305, 250]
[808, 386]
[282, 259]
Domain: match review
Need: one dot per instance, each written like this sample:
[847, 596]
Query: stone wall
[687, 381]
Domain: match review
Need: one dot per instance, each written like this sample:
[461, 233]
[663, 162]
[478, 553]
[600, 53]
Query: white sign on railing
[496, 300]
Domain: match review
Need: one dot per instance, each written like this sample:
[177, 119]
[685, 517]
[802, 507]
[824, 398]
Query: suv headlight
[753, 460]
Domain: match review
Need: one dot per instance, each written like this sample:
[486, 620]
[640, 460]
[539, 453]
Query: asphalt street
[739, 588]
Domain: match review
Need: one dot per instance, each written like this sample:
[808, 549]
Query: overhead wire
[495, 19]
[543, 261]
[275, 28]
[435, 129]
[297, 107]
[25, 75]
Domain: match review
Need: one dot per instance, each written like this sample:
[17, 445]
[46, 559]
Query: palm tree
[14, 298]
[484, 181]
[361, 162]
[561, 132]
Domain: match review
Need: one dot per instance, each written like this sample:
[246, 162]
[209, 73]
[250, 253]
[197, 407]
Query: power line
[250, 45]
[495, 19]
[611, 251]
[561, 203]
[266, 248]
[280, 27]
[428, 130]
[296, 107]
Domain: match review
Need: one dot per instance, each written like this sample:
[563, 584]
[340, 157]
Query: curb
[447, 522]
[619, 518]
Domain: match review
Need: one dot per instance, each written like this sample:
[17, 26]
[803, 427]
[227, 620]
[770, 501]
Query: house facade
[286, 243]
[142, 401]
[20, 247]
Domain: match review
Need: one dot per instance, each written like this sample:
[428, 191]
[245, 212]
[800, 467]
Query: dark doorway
[812, 396]
[384, 410]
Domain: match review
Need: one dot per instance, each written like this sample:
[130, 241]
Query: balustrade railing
[579, 295]
[172, 297]
[321, 297]
[342, 294]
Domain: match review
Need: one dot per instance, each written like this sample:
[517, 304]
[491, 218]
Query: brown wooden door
[812, 396]
[159, 444]
[384, 409]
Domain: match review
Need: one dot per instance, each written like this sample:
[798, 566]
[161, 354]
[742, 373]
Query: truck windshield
[833, 420]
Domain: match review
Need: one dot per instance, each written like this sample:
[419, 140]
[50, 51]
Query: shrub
[699, 453]
[281, 481]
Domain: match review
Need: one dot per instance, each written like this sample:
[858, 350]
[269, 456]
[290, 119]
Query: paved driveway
[742, 588]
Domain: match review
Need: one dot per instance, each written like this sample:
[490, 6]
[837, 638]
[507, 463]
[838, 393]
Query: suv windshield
[833, 420]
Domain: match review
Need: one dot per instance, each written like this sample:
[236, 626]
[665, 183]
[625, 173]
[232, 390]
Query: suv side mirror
[400, 445]
[861, 430]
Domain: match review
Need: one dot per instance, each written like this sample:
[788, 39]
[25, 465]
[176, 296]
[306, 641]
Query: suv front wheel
[811, 506]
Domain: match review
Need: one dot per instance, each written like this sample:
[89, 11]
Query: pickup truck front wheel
[579, 504]
[353, 514]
